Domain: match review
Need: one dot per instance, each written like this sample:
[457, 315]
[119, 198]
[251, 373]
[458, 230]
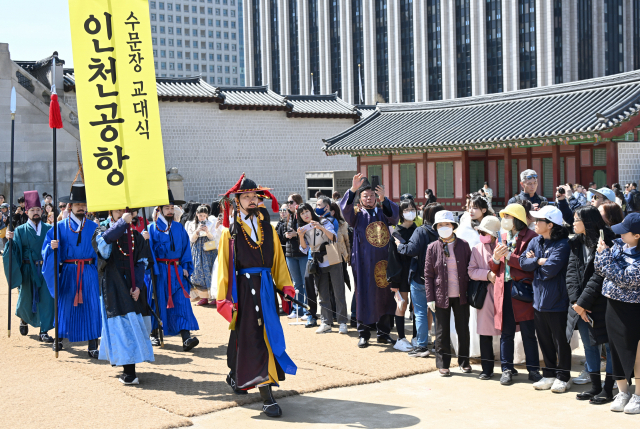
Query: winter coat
[416, 247]
[549, 280]
[292, 246]
[584, 286]
[621, 272]
[343, 241]
[479, 268]
[398, 266]
[436, 277]
[281, 230]
[522, 311]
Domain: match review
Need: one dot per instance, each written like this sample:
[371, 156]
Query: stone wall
[628, 162]
[212, 147]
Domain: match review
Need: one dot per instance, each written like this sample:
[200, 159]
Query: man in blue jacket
[547, 257]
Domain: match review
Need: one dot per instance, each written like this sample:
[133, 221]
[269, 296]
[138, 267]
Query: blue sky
[36, 28]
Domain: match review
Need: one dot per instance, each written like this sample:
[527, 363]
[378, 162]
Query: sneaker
[444, 372]
[560, 386]
[323, 328]
[465, 369]
[45, 338]
[343, 328]
[544, 383]
[583, 378]
[419, 352]
[633, 406]
[128, 379]
[305, 317]
[311, 323]
[292, 315]
[414, 342]
[403, 345]
[506, 378]
[94, 354]
[155, 341]
[535, 376]
[484, 376]
[620, 401]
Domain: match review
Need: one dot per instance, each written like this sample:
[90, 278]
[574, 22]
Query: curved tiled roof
[320, 106]
[251, 97]
[366, 110]
[69, 79]
[550, 114]
[185, 89]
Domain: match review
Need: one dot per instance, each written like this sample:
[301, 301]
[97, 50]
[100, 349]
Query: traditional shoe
[203, 301]
[24, 328]
[190, 343]
[155, 341]
[94, 353]
[128, 379]
[270, 407]
[363, 343]
[59, 345]
[45, 338]
[232, 383]
[385, 339]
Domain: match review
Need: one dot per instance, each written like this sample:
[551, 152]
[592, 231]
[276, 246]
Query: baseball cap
[631, 223]
[606, 192]
[550, 213]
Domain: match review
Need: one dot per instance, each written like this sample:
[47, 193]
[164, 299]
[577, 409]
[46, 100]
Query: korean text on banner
[120, 129]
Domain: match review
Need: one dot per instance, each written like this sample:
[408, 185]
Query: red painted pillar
[529, 161]
[612, 162]
[507, 176]
[465, 174]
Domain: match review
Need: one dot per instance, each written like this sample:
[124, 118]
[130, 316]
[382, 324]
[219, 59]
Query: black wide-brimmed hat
[175, 202]
[365, 185]
[78, 194]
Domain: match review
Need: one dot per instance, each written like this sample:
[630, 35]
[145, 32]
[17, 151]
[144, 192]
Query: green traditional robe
[35, 304]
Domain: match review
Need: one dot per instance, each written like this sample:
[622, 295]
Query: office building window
[152, 4]
[463, 48]
[613, 44]
[217, 12]
[163, 54]
[178, 19]
[358, 51]
[226, 46]
[210, 22]
[161, 5]
[161, 16]
[170, 18]
[212, 80]
[170, 42]
[169, 6]
[226, 35]
[494, 46]
[234, 58]
[226, 58]
[154, 29]
[406, 43]
[382, 52]
[434, 50]
[172, 66]
[179, 42]
[334, 37]
[177, 7]
[218, 35]
[235, 81]
[314, 46]
[210, 11]
[218, 45]
[211, 57]
[162, 29]
[153, 16]
[179, 31]
[170, 30]
[257, 54]
[294, 70]
[233, 36]
[179, 54]
[171, 54]
[219, 57]
[557, 41]
[179, 66]
[233, 24]
[194, 9]
[154, 41]
[527, 42]
[211, 69]
[275, 48]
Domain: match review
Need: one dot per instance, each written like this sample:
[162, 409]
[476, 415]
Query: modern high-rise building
[418, 50]
[198, 38]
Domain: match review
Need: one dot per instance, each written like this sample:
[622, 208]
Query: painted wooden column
[612, 162]
[465, 174]
[507, 176]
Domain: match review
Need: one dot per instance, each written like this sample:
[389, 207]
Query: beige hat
[490, 225]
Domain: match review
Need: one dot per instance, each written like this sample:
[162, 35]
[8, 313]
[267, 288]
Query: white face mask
[409, 215]
[445, 231]
[507, 224]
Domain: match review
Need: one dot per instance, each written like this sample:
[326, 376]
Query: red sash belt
[79, 273]
[175, 263]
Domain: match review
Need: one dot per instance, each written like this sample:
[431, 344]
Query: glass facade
[557, 41]
[257, 52]
[334, 35]
[240, 42]
[585, 40]
[382, 52]
[463, 48]
[636, 34]
[406, 43]
[434, 52]
[358, 50]
[527, 41]
[294, 53]
[613, 45]
[494, 46]
[275, 48]
[314, 45]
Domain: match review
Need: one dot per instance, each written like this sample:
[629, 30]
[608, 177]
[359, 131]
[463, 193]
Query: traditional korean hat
[78, 194]
[175, 202]
[243, 186]
[31, 199]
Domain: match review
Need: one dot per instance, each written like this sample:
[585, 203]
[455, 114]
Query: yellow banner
[120, 131]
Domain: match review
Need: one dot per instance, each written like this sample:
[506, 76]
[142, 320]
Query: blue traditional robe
[369, 257]
[80, 322]
[35, 304]
[173, 246]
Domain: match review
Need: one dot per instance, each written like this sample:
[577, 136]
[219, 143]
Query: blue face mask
[321, 212]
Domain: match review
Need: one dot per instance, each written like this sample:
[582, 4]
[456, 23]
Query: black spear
[154, 283]
[10, 226]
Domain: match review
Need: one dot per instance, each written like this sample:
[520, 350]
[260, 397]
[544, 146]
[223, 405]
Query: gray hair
[526, 173]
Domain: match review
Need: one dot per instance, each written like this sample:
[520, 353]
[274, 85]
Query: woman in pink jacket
[479, 269]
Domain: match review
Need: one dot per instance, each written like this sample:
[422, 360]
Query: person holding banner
[78, 289]
[126, 321]
[171, 248]
[256, 353]
[35, 304]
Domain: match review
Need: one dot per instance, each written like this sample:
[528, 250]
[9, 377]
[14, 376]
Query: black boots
[270, 407]
[155, 341]
[188, 342]
[232, 382]
[59, 345]
[24, 328]
[606, 395]
[93, 349]
[596, 387]
[45, 337]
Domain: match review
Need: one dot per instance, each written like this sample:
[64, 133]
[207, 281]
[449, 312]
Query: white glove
[432, 306]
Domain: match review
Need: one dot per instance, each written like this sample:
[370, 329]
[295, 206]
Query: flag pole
[10, 226]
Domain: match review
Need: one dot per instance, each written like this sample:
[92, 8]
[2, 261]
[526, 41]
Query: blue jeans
[592, 353]
[297, 267]
[420, 310]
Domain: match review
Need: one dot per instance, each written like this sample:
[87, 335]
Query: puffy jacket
[416, 247]
[436, 276]
[584, 286]
[549, 280]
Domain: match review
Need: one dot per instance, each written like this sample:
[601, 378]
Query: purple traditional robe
[369, 258]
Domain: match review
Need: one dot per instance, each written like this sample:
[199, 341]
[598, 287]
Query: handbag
[521, 290]
[210, 245]
[476, 293]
